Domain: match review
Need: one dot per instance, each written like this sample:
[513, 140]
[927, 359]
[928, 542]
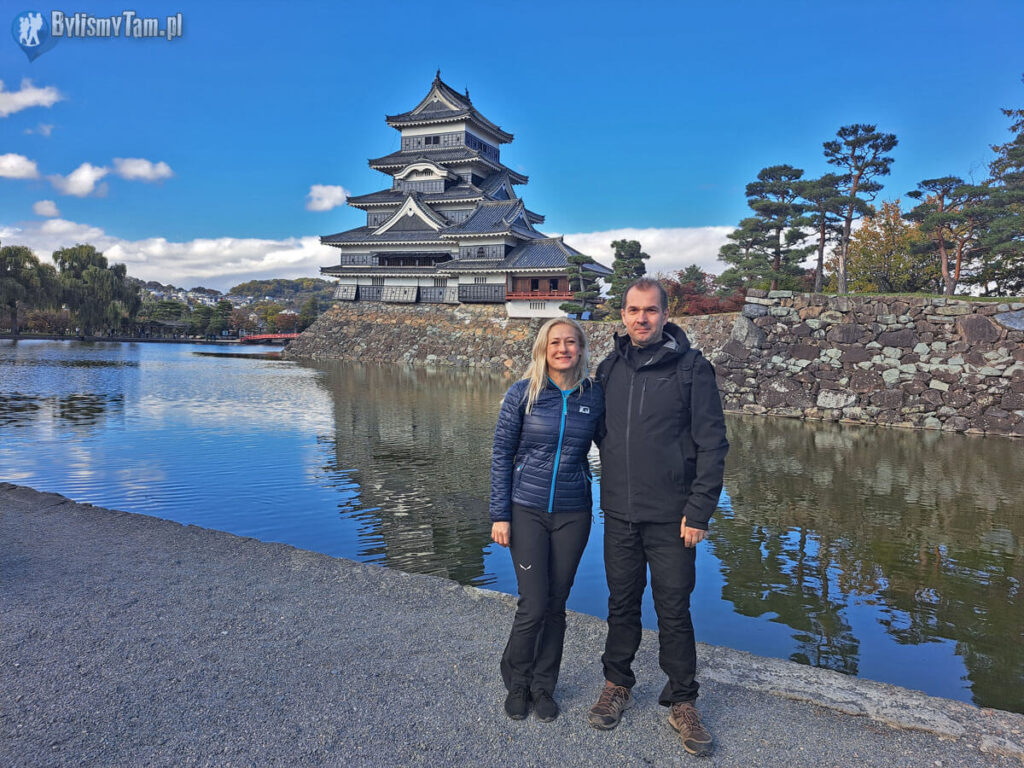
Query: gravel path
[126, 640]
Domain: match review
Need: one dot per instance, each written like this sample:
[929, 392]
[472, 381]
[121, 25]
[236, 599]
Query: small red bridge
[262, 338]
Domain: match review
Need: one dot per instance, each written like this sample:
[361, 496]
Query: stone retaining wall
[929, 363]
[464, 336]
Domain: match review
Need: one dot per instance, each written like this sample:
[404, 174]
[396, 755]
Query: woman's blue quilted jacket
[540, 458]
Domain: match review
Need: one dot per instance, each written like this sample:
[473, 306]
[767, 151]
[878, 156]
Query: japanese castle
[451, 229]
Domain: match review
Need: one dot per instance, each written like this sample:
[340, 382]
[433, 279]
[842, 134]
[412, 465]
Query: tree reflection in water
[416, 444]
[925, 527]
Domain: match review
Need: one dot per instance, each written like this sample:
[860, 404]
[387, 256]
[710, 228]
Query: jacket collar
[673, 344]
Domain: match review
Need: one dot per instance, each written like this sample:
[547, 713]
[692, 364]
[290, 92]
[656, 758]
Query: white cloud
[45, 208]
[671, 249]
[324, 197]
[81, 182]
[140, 169]
[214, 262]
[43, 129]
[18, 167]
[28, 96]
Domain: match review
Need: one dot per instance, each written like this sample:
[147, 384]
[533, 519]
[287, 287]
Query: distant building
[451, 229]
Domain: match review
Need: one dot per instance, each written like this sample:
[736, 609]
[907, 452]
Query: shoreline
[233, 639]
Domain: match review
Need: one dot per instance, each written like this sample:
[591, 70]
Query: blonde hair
[537, 371]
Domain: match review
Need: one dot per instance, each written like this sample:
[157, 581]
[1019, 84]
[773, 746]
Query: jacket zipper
[558, 450]
[629, 421]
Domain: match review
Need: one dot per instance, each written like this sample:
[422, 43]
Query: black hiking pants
[629, 548]
[546, 550]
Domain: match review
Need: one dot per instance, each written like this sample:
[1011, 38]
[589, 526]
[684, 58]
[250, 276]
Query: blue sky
[644, 119]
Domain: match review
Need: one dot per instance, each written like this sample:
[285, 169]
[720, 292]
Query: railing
[538, 295]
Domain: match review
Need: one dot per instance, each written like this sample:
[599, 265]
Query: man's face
[643, 316]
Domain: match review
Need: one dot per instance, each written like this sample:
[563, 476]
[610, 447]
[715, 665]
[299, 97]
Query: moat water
[892, 555]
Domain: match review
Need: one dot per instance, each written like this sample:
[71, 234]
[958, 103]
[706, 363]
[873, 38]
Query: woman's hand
[501, 532]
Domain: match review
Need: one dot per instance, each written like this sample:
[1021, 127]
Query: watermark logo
[36, 32]
[31, 31]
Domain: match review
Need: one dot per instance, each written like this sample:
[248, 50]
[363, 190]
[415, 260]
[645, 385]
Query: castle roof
[443, 156]
[540, 253]
[443, 104]
[495, 217]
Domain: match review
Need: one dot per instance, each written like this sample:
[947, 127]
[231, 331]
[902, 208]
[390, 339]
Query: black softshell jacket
[664, 446]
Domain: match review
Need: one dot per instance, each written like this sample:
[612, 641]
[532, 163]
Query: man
[662, 461]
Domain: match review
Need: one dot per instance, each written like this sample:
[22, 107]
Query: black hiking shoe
[517, 703]
[545, 707]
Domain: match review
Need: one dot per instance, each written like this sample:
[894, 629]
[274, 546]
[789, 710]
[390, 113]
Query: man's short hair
[645, 284]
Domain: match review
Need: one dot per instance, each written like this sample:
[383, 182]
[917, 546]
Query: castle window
[480, 280]
[553, 284]
[538, 305]
[440, 282]
[480, 252]
[376, 281]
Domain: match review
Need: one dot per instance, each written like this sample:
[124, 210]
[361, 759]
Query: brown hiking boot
[614, 700]
[695, 737]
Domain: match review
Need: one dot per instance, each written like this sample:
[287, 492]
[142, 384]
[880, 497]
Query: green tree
[199, 322]
[1001, 271]
[220, 320]
[742, 252]
[169, 309]
[309, 313]
[627, 267]
[951, 215]
[860, 151]
[587, 294]
[693, 274]
[885, 255]
[823, 203]
[24, 282]
[767, 249]
[267, 312]
[99, 294]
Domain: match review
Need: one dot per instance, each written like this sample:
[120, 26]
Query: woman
[541, 505]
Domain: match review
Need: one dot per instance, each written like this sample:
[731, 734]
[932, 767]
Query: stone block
[836, 399]
[865, 381]
[890, 376]
[854, 355]
[977, 329]
[953, 310]
[832, 317]
[753, 310]
[1012, 401]
[847, 333]
[1012, 320]
[887, 398]
[747, 333]
[905, 338]
[805, 352]
[780, 294]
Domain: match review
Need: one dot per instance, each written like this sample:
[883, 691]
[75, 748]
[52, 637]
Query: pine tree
[587, 293]
[627, 267]
[767, 248]
[822, 202]
[951, 216]
[859, 150]
[1002, 268]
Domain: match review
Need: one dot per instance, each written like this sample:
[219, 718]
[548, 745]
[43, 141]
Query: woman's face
[563, 348]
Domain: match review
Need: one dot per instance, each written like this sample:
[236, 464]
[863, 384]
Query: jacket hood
[676, 345]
